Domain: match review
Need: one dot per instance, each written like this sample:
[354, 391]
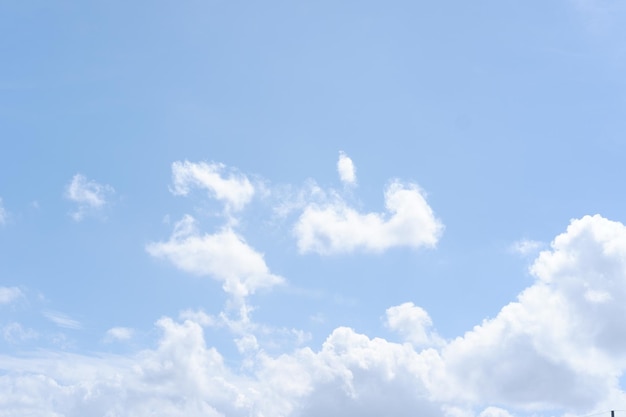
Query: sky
[312, 208]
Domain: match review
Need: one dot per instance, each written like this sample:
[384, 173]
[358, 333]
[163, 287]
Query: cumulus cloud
[9, 294]
[224, 256]
[226, 185]
[413, 323]
[346, 169]
[350, 375]
[335, 227]
[558, 346]
[327, 224]
[561, 343]
[554, 348]
[90, 196]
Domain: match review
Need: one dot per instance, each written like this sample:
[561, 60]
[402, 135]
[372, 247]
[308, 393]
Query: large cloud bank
[559, 346]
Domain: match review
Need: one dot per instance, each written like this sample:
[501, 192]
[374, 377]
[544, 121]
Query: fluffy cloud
[558, 346]
[228, 186]
[359, 376]
[413, 323]
[327, 224]
[90, 196]
[224, 256]
[9, 294]
[337, 228]
[351, 375]
[346, 169]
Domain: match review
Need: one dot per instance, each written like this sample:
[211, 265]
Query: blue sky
[312, 208]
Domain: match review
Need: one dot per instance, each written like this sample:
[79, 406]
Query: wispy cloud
[90, 196]
[15, 333]
[9, 294]
[120, 333]
[62, 320]
[3, 213]
[526, 246]
[226, 185]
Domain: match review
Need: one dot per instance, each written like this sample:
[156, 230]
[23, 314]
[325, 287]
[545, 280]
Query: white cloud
[224, 256]
[228, 186]
[248, 335]
[90, 196]
[352, 375]
[413, 323]
[9, 294]
[14, 333]
[337, 228]
[62, 320]
[294, 199]
[494, 412]
[554, 348]
[200, 317]
[346, 169]
[526, 247]
[559, 346]
[3, 214]
[119, 333]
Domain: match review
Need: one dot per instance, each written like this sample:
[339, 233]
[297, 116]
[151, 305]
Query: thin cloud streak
[3, 214]
[62, 320]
